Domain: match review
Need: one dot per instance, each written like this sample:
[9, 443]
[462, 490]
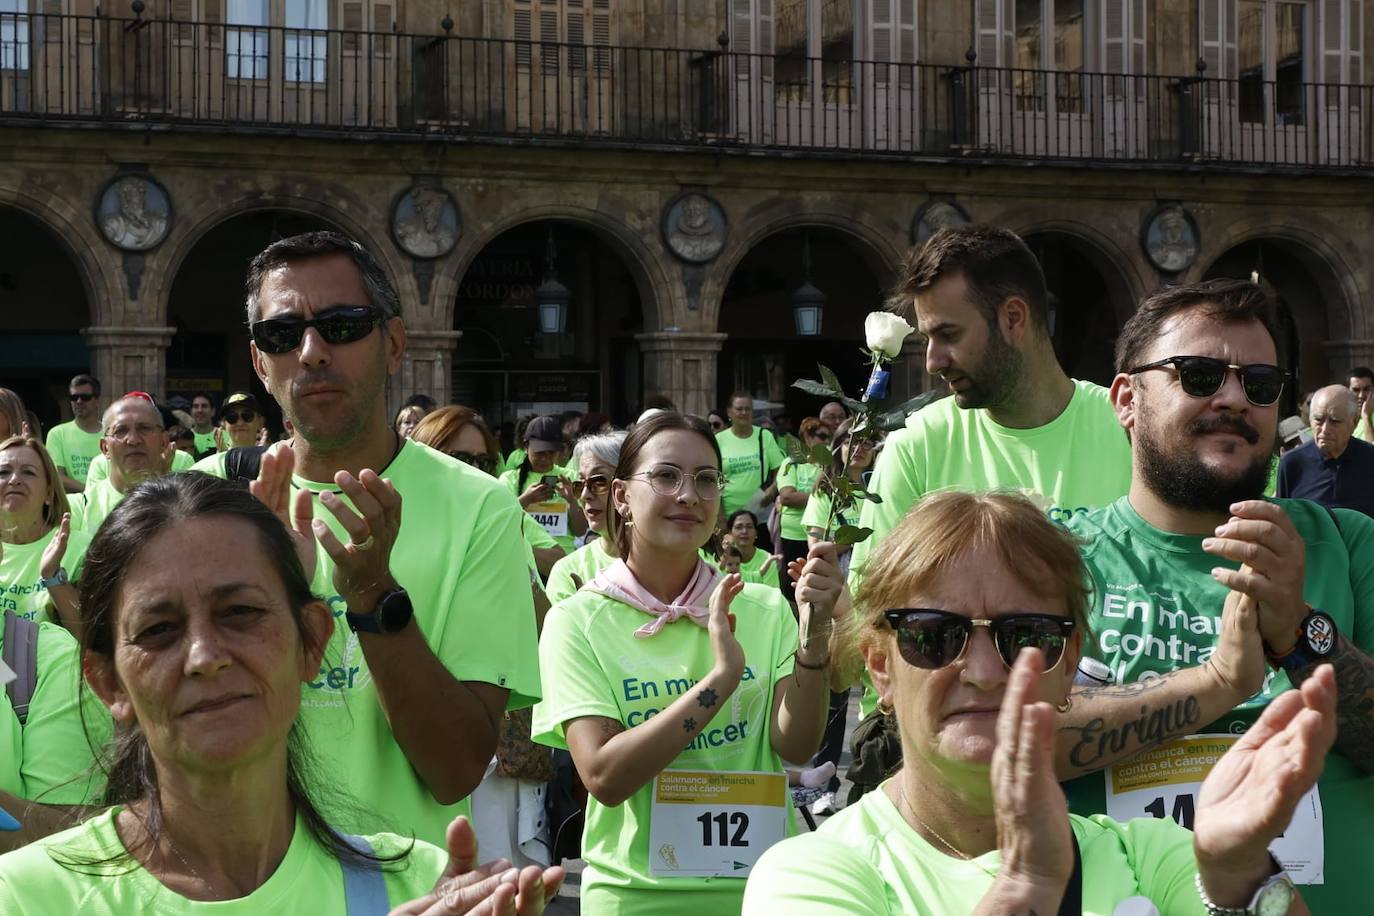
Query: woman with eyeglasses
[742, 530]
[679, 691]
[796, 482]
[595, 457]
[460, 433]
[970, 619]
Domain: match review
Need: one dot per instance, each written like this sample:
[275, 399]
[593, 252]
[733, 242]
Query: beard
[1180, 479]
[996, 376]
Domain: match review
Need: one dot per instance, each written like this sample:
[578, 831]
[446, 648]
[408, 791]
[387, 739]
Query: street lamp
[808, 303]
[552, 297]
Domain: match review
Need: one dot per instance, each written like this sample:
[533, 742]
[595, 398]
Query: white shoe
[815, 777]
[824, 806]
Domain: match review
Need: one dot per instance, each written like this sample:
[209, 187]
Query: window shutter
[381, 17]
[1356, 32]
[1218, 37]
[212, 12]
[1138, 33]
[522, 32]
[906, 31]
[880, 15]
[995, 38]
[352, 21]
[765, 35]
[601, 33]
[575, 18]
[1115, 19]
[742, 34]
[548, 36]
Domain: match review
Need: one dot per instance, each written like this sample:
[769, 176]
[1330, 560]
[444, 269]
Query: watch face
[1275, 899]
[1321, 634]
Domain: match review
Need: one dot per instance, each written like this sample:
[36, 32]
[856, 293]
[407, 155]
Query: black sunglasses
[342, 325]
[481, 462]
[930, 638]
[83, 397]
[233, 416]
[1203, 376]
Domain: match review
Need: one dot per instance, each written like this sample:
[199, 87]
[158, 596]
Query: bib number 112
[722, 823]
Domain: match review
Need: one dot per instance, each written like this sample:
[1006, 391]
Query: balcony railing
[106, 70]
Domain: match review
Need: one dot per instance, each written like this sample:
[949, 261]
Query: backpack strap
[364, 886]
[242, 464]
[21, 654]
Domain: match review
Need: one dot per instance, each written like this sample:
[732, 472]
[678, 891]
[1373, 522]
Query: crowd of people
[388, 663]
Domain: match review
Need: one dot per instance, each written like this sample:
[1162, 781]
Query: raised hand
[492, 889]
[721, 625]
[221, 445]
[1032, 815]
[273, 489]
[362, 567]
[1249, 797]
[536, 493]
[51, 560]
[1260, 536]
[1239, 657]
[264, 436]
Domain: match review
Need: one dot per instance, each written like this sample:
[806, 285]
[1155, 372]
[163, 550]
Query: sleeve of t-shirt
[575, 684]
[898, 483]
[212, 465]
[773, 453]
[816, 875]
[535, 533]
[57, 449]
[489, 632]
[58, 763]
[560, 584]
[787, 474]
[1160, 852]
[785, 639]
[1357, 529]
[76, 505]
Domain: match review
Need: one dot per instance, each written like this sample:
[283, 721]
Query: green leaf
[855, 406]
[820, 455]
[895, 418]
[846, 535]
[830, 378]
[844, 486]
[795, 450]
[811, 386]
[871, 497]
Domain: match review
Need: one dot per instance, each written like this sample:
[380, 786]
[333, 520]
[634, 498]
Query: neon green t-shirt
[817, 512]
[744, 475]
[553, 513]
[594, 665]
[205, 442]
[803, 477]
[73, 448]
[1156, 608]
[100, 466]
[752, 570]
[463, 561]
[867, 861]
[584, 563]
[308, 880]
[90, 508]
[49, 759]
[20, 575]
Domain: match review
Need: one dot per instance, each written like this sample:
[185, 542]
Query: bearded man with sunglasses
[435, 635]
[1198, 390]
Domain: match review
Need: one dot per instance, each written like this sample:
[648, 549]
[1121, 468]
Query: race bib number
[1166, 781]
[552, 517]
[707, 824]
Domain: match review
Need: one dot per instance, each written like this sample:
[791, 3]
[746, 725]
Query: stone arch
[75, 233]
[883, 257]
[659, 297]
[1121, 272]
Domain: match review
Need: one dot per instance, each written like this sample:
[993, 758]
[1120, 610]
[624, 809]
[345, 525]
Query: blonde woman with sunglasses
[971, 619]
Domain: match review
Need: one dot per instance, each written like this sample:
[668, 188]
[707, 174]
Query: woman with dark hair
[674, 688]
[544, 487]
[200, 656]
[742, 530]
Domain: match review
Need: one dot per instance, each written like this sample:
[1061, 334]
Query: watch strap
[1280, 876]
[383, 619]
[1316, 641]
[59, 579]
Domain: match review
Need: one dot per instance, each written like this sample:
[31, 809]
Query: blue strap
[364, 885]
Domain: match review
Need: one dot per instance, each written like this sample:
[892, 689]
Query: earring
[1066, 705]
[885, 706]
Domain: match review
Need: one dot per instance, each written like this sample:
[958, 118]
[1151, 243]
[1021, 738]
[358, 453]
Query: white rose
[885, 332]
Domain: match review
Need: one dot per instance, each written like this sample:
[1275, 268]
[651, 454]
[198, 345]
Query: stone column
[682, 365]
[426, 368]
[129, 358]
[1344, 355]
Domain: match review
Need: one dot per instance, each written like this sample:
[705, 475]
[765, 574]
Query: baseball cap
[544, 434]
[1293, 428]
[240, 399]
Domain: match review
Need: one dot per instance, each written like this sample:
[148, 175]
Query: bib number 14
[719, 827]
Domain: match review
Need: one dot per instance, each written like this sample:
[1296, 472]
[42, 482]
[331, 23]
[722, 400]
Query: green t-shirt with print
[205, 442]
[1156, 608]
[73, 448]
[752, 570]
[20, 574]
[868, 861]
[90, 508]
[583, 563]
[744, 474]
[100, 466]
[49, 758]
[462, 559]
[594, 665]
[553, 513]
[803, 477]
[308, 879]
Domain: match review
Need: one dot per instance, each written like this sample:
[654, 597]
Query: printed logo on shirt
[343, 667]
[743, 713]
[20, 599]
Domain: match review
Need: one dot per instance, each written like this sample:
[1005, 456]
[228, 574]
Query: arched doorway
[206, 306]
[763, 353]
[1304, 288]
[45, 306]
[506, 367]
[1087, 294]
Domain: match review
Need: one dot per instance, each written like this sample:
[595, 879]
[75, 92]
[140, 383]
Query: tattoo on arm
[1099, 744]
[1354, 701]
[707, 698]
[610, 728]
[689, 724]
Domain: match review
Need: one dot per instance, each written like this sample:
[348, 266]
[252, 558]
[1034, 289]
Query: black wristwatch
[1316, 642]
[392, 615]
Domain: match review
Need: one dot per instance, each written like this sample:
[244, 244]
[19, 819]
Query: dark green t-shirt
[1156, 608]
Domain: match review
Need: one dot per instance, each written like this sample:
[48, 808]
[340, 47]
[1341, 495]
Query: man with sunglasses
[75, 443]
[1209, 601]
[435, 629]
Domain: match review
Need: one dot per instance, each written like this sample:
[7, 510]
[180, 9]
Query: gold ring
[366, 545]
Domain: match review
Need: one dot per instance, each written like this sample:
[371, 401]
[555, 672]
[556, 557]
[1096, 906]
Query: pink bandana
[616, 581]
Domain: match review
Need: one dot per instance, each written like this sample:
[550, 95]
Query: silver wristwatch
[60, 578]
[1272, 898]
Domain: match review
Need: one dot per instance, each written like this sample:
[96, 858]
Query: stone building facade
[677, 158]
